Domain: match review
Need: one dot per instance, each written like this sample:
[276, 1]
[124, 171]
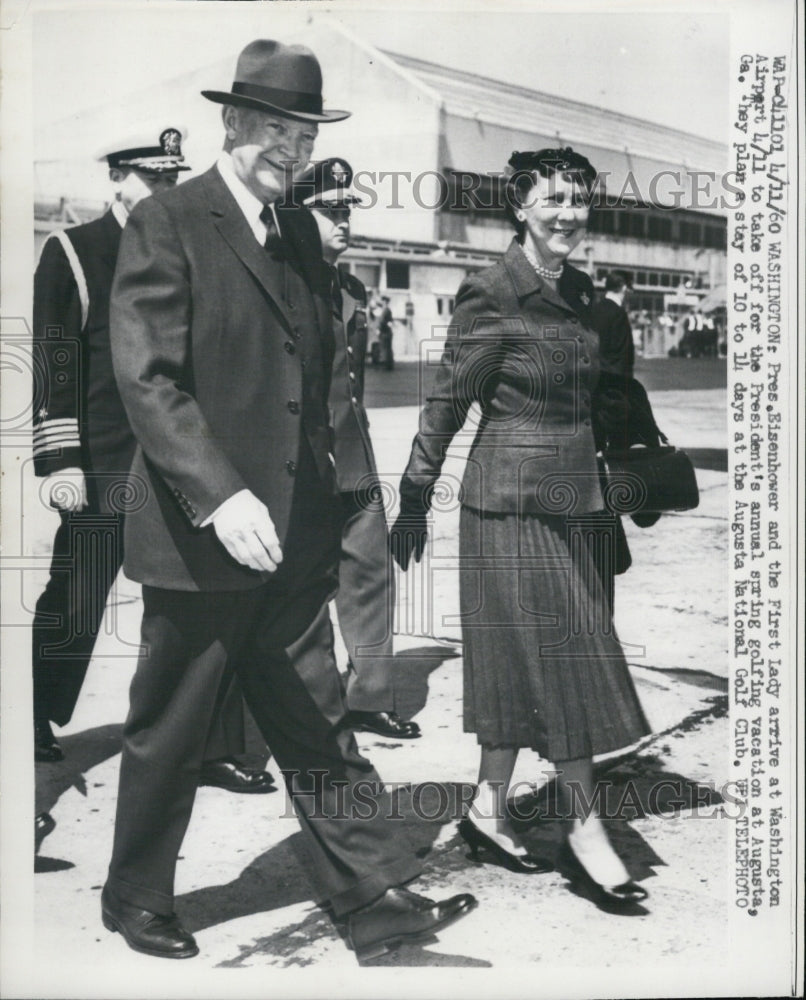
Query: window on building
[660, 228]
[640, 277]
[602, 220]
[653, 278]
[637, 224]
[665, 279]
[397, 274]
[716, 237]
[368, 274]
[624, 222]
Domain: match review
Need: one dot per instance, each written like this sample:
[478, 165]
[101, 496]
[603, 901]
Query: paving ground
[242, 888]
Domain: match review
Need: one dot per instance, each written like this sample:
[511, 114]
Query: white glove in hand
[246, 531]
[67, 490]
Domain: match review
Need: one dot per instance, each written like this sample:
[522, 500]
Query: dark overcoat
[210, 338]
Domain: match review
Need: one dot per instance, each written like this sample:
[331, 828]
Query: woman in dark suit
[542, 665]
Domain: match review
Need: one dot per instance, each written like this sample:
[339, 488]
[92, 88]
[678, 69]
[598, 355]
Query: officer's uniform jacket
[523, 353]
[355, 461]
[223, 358]
[79, 419]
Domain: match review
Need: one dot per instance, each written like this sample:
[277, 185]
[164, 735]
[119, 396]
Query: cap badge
[338, 172]
[171, 142]
[585, 299]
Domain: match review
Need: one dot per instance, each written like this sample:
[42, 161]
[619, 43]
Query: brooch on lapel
[585, 299]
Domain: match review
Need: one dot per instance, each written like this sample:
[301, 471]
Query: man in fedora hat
[83, 446]
[366, 582]
[222, 345]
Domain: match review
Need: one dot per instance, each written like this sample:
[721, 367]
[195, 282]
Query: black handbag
[649, 480]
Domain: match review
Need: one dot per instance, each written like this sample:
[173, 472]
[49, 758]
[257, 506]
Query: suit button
[587, 423]
[352, 375]
[291, 467]
[354, 400]
[574, 320]
[585, 359]
[580, 340]
[295, 333]
[350, 350]
[290, 349]
[293, 406]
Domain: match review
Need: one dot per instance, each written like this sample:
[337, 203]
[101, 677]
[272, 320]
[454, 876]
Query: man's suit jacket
[211, 336]
[616, 347]
[355, 459]
[523, 353]
[79, 420]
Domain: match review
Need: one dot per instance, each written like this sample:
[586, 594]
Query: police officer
[366, 583]
[83, 447]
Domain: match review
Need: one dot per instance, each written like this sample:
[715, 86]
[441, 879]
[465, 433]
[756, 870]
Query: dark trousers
[87, 556]
[365, 603]
[279, 639]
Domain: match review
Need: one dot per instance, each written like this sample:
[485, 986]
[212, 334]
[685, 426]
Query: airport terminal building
[429, 145]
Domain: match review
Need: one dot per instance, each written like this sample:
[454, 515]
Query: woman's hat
[281, 79]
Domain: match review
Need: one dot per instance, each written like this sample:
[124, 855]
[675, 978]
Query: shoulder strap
[78, 274]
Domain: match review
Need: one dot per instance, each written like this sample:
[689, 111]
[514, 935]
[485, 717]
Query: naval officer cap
[326, 184]
[152, 152]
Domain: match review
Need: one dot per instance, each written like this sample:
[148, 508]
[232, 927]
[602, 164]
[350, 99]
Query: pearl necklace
[542, 270]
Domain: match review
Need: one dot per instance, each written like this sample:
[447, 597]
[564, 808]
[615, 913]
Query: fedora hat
[282, 79]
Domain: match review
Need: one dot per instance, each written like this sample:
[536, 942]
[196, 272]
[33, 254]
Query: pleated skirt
[543, 667]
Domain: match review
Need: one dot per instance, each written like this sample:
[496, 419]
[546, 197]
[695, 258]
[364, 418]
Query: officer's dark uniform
[366, 582]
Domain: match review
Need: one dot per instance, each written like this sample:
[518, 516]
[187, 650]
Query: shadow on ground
[412, 670]
[82, 752]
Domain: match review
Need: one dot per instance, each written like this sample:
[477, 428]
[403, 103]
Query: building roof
[467, 95]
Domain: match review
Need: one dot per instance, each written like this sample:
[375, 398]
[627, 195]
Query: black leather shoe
[624, 899]
[46, 746]
[142, 930]
[44, 824]
[401, 916]
[228, 774]
[384, 724]
[525, 864]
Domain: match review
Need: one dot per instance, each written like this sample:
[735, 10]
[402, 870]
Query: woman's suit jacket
[524, 354]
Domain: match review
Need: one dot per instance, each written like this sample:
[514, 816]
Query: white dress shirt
[247, 202]
[251, 208]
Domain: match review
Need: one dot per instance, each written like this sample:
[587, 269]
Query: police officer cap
[152, 152]
[326, 184]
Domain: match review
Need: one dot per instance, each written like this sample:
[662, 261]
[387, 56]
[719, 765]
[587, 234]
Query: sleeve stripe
[55, 436]
[43, 449]
[66, 422]
[71, 428]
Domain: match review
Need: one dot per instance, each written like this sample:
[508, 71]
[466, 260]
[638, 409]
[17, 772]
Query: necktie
[335, 292]
[274, 241]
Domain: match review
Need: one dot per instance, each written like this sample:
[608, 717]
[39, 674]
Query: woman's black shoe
[525, 864]
[624, 899]
[46, 746]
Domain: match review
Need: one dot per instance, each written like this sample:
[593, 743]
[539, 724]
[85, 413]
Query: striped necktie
[274, 241]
